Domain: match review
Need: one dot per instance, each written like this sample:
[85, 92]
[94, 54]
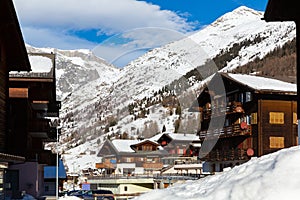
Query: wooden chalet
[33, 105]
[259, 117]
[23, 125]
[13, 56]
[145, 154]
[33, 93]
[176, 144]
[287, 10]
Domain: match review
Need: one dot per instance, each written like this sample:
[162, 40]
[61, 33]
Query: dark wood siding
[268, 130]
[3, 98]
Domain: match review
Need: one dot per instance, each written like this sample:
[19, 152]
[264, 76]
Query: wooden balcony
[231, 108]
[105, 165]
[42, 157]
[39, 125]
[46, 109]
[152, 165]
[233, 154]
[53, 109]
[229, 131]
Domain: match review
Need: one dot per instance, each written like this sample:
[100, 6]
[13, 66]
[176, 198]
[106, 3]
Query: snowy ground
[271, 177]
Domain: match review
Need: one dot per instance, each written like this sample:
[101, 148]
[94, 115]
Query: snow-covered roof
[156, 137]
[124, 145]
[263, 84]
[40, 63]
[182, 136]
[146, 140]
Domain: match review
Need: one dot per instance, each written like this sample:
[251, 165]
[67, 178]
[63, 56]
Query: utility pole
[57, 165]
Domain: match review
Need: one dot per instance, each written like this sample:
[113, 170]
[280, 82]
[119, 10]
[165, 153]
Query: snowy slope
[163, 65]
[75, 68]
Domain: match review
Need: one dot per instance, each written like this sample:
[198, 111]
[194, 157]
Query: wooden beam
[18, 92]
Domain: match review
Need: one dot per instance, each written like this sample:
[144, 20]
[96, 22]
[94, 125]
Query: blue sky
[117, 28]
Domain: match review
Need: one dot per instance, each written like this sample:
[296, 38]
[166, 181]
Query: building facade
[259, 116]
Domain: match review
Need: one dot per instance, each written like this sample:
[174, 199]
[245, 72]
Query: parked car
[98, 194]
[76, 193]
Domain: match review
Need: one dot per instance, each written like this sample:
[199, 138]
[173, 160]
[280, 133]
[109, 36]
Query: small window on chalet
[253, 118]
[276, 142]
[276, 117]
[248, 96]
[295, 120]
[147, 148]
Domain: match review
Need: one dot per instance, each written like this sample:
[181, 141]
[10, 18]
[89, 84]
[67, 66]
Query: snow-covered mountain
[75, 68]
[95, 95]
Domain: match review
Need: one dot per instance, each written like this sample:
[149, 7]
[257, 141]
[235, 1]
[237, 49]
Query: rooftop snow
[40, 63]
[182, 136]
[262, 83]
[124, 145]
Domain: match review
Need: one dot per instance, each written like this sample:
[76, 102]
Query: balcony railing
[233, 154]
[229, 131]
[47, 109]
[152, 165]
[105, 165]
[231, 108]
[42, 157]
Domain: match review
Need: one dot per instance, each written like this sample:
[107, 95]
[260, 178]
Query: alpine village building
[27, 100]
[259, 115]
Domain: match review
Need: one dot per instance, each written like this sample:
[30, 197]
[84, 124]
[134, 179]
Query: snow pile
[273, 176]
[69, 198]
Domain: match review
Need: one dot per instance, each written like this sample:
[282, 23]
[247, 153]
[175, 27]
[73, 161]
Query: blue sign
[113, 161]
[86, 186]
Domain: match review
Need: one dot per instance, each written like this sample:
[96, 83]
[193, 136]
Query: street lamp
[57, 160]
[56, 185]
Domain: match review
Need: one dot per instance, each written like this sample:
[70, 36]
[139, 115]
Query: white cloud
[53, 23]
[120, 49]
[40, 37]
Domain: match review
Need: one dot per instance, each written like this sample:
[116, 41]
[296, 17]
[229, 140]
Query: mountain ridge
[94, 109]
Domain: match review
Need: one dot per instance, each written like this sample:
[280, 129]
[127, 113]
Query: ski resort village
[211, 115]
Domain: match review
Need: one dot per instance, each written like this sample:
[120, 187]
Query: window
[276, 142]
[125, 188]
[248, 96]
[180, 151]
[253, 118]
[276, 118]
[147, 148]
[295, 120]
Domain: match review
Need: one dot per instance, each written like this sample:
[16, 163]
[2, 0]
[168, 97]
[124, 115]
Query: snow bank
[69, 198]
[274, 176]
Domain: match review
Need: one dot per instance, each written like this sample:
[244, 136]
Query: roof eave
[16, 53]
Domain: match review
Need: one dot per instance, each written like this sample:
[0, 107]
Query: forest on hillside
[279, 64]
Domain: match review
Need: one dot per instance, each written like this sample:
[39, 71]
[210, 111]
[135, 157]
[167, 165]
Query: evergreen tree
[163, 129]
[178, 110]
